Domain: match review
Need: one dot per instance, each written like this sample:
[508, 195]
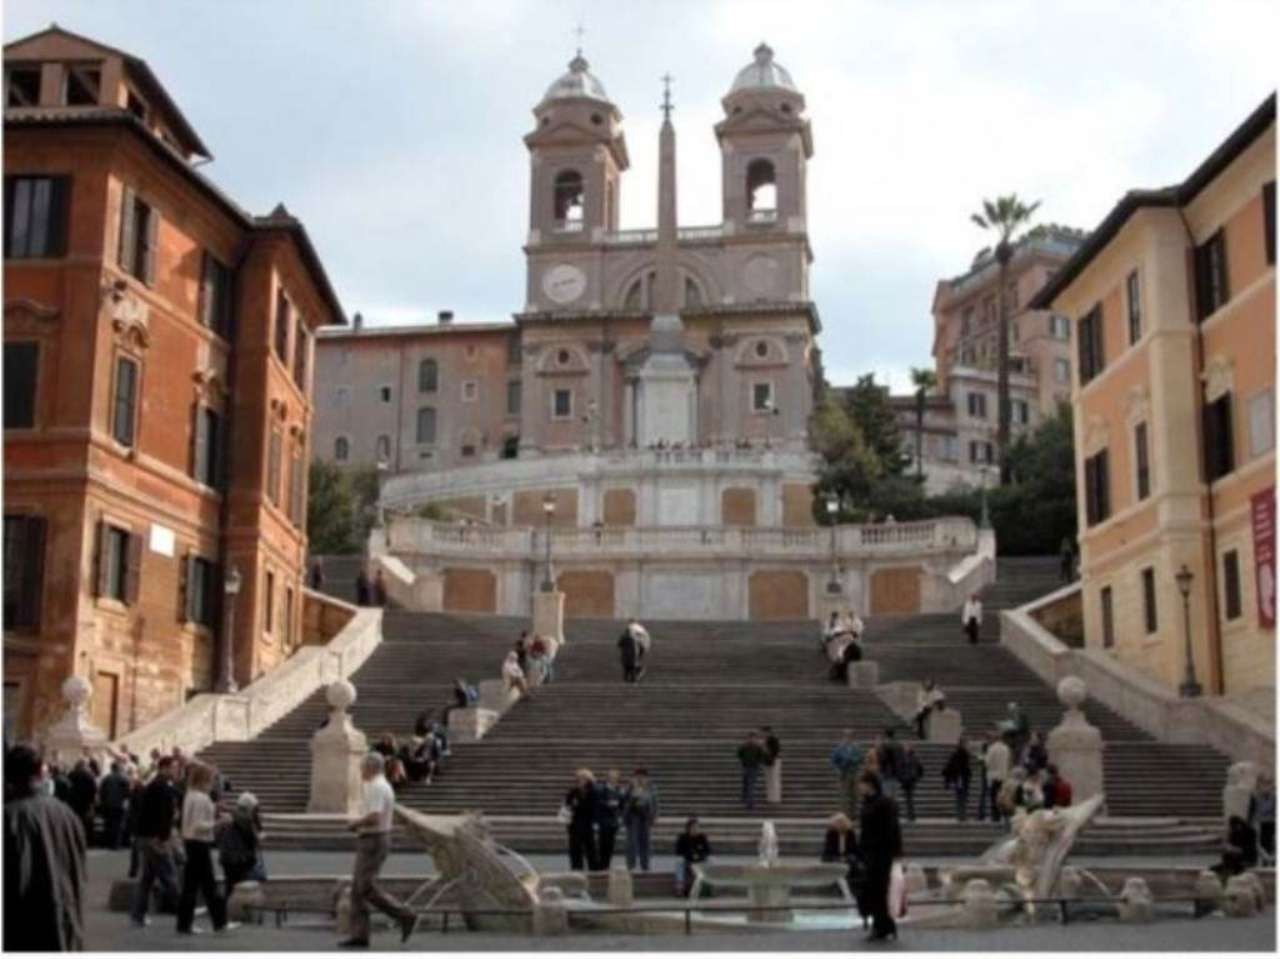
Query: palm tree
[1004, 216]
[924, 380]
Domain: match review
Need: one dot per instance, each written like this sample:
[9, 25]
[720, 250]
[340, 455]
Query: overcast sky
[392, 127]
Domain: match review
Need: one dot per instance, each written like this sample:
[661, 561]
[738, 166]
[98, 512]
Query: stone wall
[588, 593]
[323, 617]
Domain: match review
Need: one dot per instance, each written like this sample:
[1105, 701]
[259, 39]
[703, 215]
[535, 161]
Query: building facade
[1173, 302]
[158, 347]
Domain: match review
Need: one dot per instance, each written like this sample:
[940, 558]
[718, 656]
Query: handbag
[897, 891]
[565, 815]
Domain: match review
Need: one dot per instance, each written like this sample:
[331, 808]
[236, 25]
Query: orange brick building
[158, 345]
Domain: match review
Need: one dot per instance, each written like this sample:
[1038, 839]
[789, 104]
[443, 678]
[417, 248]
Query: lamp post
[833, 584]
[226, 672]
[1189, 688]
[548, 510]
[985, 521]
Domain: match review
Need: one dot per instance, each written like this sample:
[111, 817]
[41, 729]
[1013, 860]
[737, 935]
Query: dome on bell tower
[763, 73]
[578, 82]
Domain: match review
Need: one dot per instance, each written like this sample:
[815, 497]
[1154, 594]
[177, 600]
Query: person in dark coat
[881, 843]
[910, 772]
[113, 799]
[316, 577]
[84, 795]
[133, 817]
[752, 757]
[159, 809]
[581, 803]
[630, 652]
[956, 775]
[609, 799]
[1037, 754]
[692, 846]
[239, 842]
[841, 845]
[44, 862]
[362, 588]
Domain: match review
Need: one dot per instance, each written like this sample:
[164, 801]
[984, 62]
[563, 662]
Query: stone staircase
[707, 685]
[339, 575]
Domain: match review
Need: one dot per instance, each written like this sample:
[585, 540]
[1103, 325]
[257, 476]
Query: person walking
[199, 816]
[692, 846]
[998, 760]
[44, 861]
[928, 698]
[639, 813]
[1067, 560]
[773, 767]
[956, 775]
[362, 588]
[316, 577]
[752, 758]
[840, 844]
[133, 816]
[910, 772]
[581, 801]
[513, 675]
[1264, 813]
[628, 650]
[881, 842]
[83, 795]
[846, 759]
[609, 796]
[373, 842]
[890, 756]
[113, 800]
[971, 618]
[155, 833]
[644, 643]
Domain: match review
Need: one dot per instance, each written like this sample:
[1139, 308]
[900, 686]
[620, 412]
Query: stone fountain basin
[769, 885]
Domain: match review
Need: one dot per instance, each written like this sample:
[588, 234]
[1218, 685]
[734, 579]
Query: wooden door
[105, 692]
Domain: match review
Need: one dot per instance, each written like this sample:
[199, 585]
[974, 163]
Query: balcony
[762, 217]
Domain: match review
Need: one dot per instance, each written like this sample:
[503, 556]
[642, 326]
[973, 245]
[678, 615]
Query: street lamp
[1189, 688]
[985, 521]
[833, 584]
[549, 510]
[231, 588]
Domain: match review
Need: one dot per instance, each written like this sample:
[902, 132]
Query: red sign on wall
[1263, 512]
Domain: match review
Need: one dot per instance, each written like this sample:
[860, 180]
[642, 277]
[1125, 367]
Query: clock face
[564, 283]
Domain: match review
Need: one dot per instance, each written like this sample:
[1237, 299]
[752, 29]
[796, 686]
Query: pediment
[25, 309]
[565, 133]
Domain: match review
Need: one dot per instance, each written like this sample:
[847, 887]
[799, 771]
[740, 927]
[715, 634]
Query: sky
[393, 127]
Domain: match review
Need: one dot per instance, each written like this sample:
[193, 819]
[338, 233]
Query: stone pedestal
[470, 725]
[864, 674]
[1242, 777]
[1075, 746]
[550, 915]
[901, 697]
[496, 697]
[336, 753]
[944, 726]
[621, 892]
[1135, 903]
[548, 615]
[773, 782]
[68, 738]
[981, 910]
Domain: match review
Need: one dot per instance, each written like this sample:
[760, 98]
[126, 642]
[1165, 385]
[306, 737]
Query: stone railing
[1145, 702]
[240, 716]
[645, 237]
[323, 617]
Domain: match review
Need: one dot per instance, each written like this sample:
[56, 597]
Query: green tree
[849, 467]
[924, 380]
[363, 481]
[1005, 216]
[867, 404]
[330, 510]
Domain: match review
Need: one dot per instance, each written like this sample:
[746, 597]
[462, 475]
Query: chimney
[357, 321]
[444, 317]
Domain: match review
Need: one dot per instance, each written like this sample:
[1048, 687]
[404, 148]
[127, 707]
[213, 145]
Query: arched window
[428, 374]
[383, 448]
[427, 426]
[762, 190]
[341, 449]
[635, 298]
[692, 293]
[569, 200]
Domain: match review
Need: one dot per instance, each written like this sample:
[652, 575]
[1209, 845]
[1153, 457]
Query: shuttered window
[273, 468]
[1143, 459]
[1231, 583]
[1092, 353]
[124, 408]
[35, 216]
[283, 319]
[1150, 615]
[1219, 447]
[139, 237]
[24, 548]
[269, 603]
[1134, 295]
[216, 295]
[200, 599]
[1108, 619]
[297, 479]
[1097, 488]
[428, 376]
[288, 615]
[300, 355]
[1211, 275]
[21, 370]
[427, 426]
[207, 447]
[513, 398]
[1269, 220]
[119, 563]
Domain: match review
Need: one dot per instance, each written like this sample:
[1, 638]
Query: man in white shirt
[373, 842]
[998, 759]
[971, 618]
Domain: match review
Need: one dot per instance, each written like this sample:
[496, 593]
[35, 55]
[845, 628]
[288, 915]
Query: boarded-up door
[778, 594]
[896, 590]
[587, 593]
[105, 690]
[470, 591]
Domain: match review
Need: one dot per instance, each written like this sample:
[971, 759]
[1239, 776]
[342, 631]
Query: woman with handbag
[841, 845]
[578, 813]
[881, 844]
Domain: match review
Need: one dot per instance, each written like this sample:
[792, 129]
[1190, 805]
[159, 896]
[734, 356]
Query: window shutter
[184, 589]
[204, 472]
[1104, 486]
[221, 451]
[153, 235]
[128, 228]
[207, 291]
[100, 579]
[9, 184]
[1210, 430]
[33, 577]
[59, 195]
[133, 569]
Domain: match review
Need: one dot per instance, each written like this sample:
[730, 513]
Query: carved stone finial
[77, 692]
[340, 695]
[1072, 692]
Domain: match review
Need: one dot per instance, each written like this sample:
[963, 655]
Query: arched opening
[428, 376]
[692, 293]
[383, 448]
[762, 191]
[341, 449]
[635, 298]
[569, 200]
[639, 295]
[426, 426]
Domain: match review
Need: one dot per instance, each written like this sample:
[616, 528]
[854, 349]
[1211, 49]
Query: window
[1092, 355]
[428, 374]
[514, 357]
[980, 451]
[762, 191]
[1269, 220]
[22, 86]
[1219, 452]
[384, 394]
[1149, 600]
[1021, 412]
[269, 603]
[21, 369]
[80, 88]
[215, 295]
[1142, 458]
[513, 397]
[977, 403]
[762, 397]
[949, 448]
[562, 404]
[1062, 370]
[966, 321]
[341, 449]
[35, 216]
[382, 448]
[1211, 274]
[1108, 618]
[139, 232]
[569, 200]
[283, 321]
[206, 465]
[273, 468]
[967, 356]
[200, 601]
[119, 563]
[297, 488]
[1097, 489]
[1134, 296]
[288, 614]
[470, 390]
[1231, 583]
[124, 408]
[427, 426]
[24, 542]
[1262, 422]
[300, 344]
[136, 105]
